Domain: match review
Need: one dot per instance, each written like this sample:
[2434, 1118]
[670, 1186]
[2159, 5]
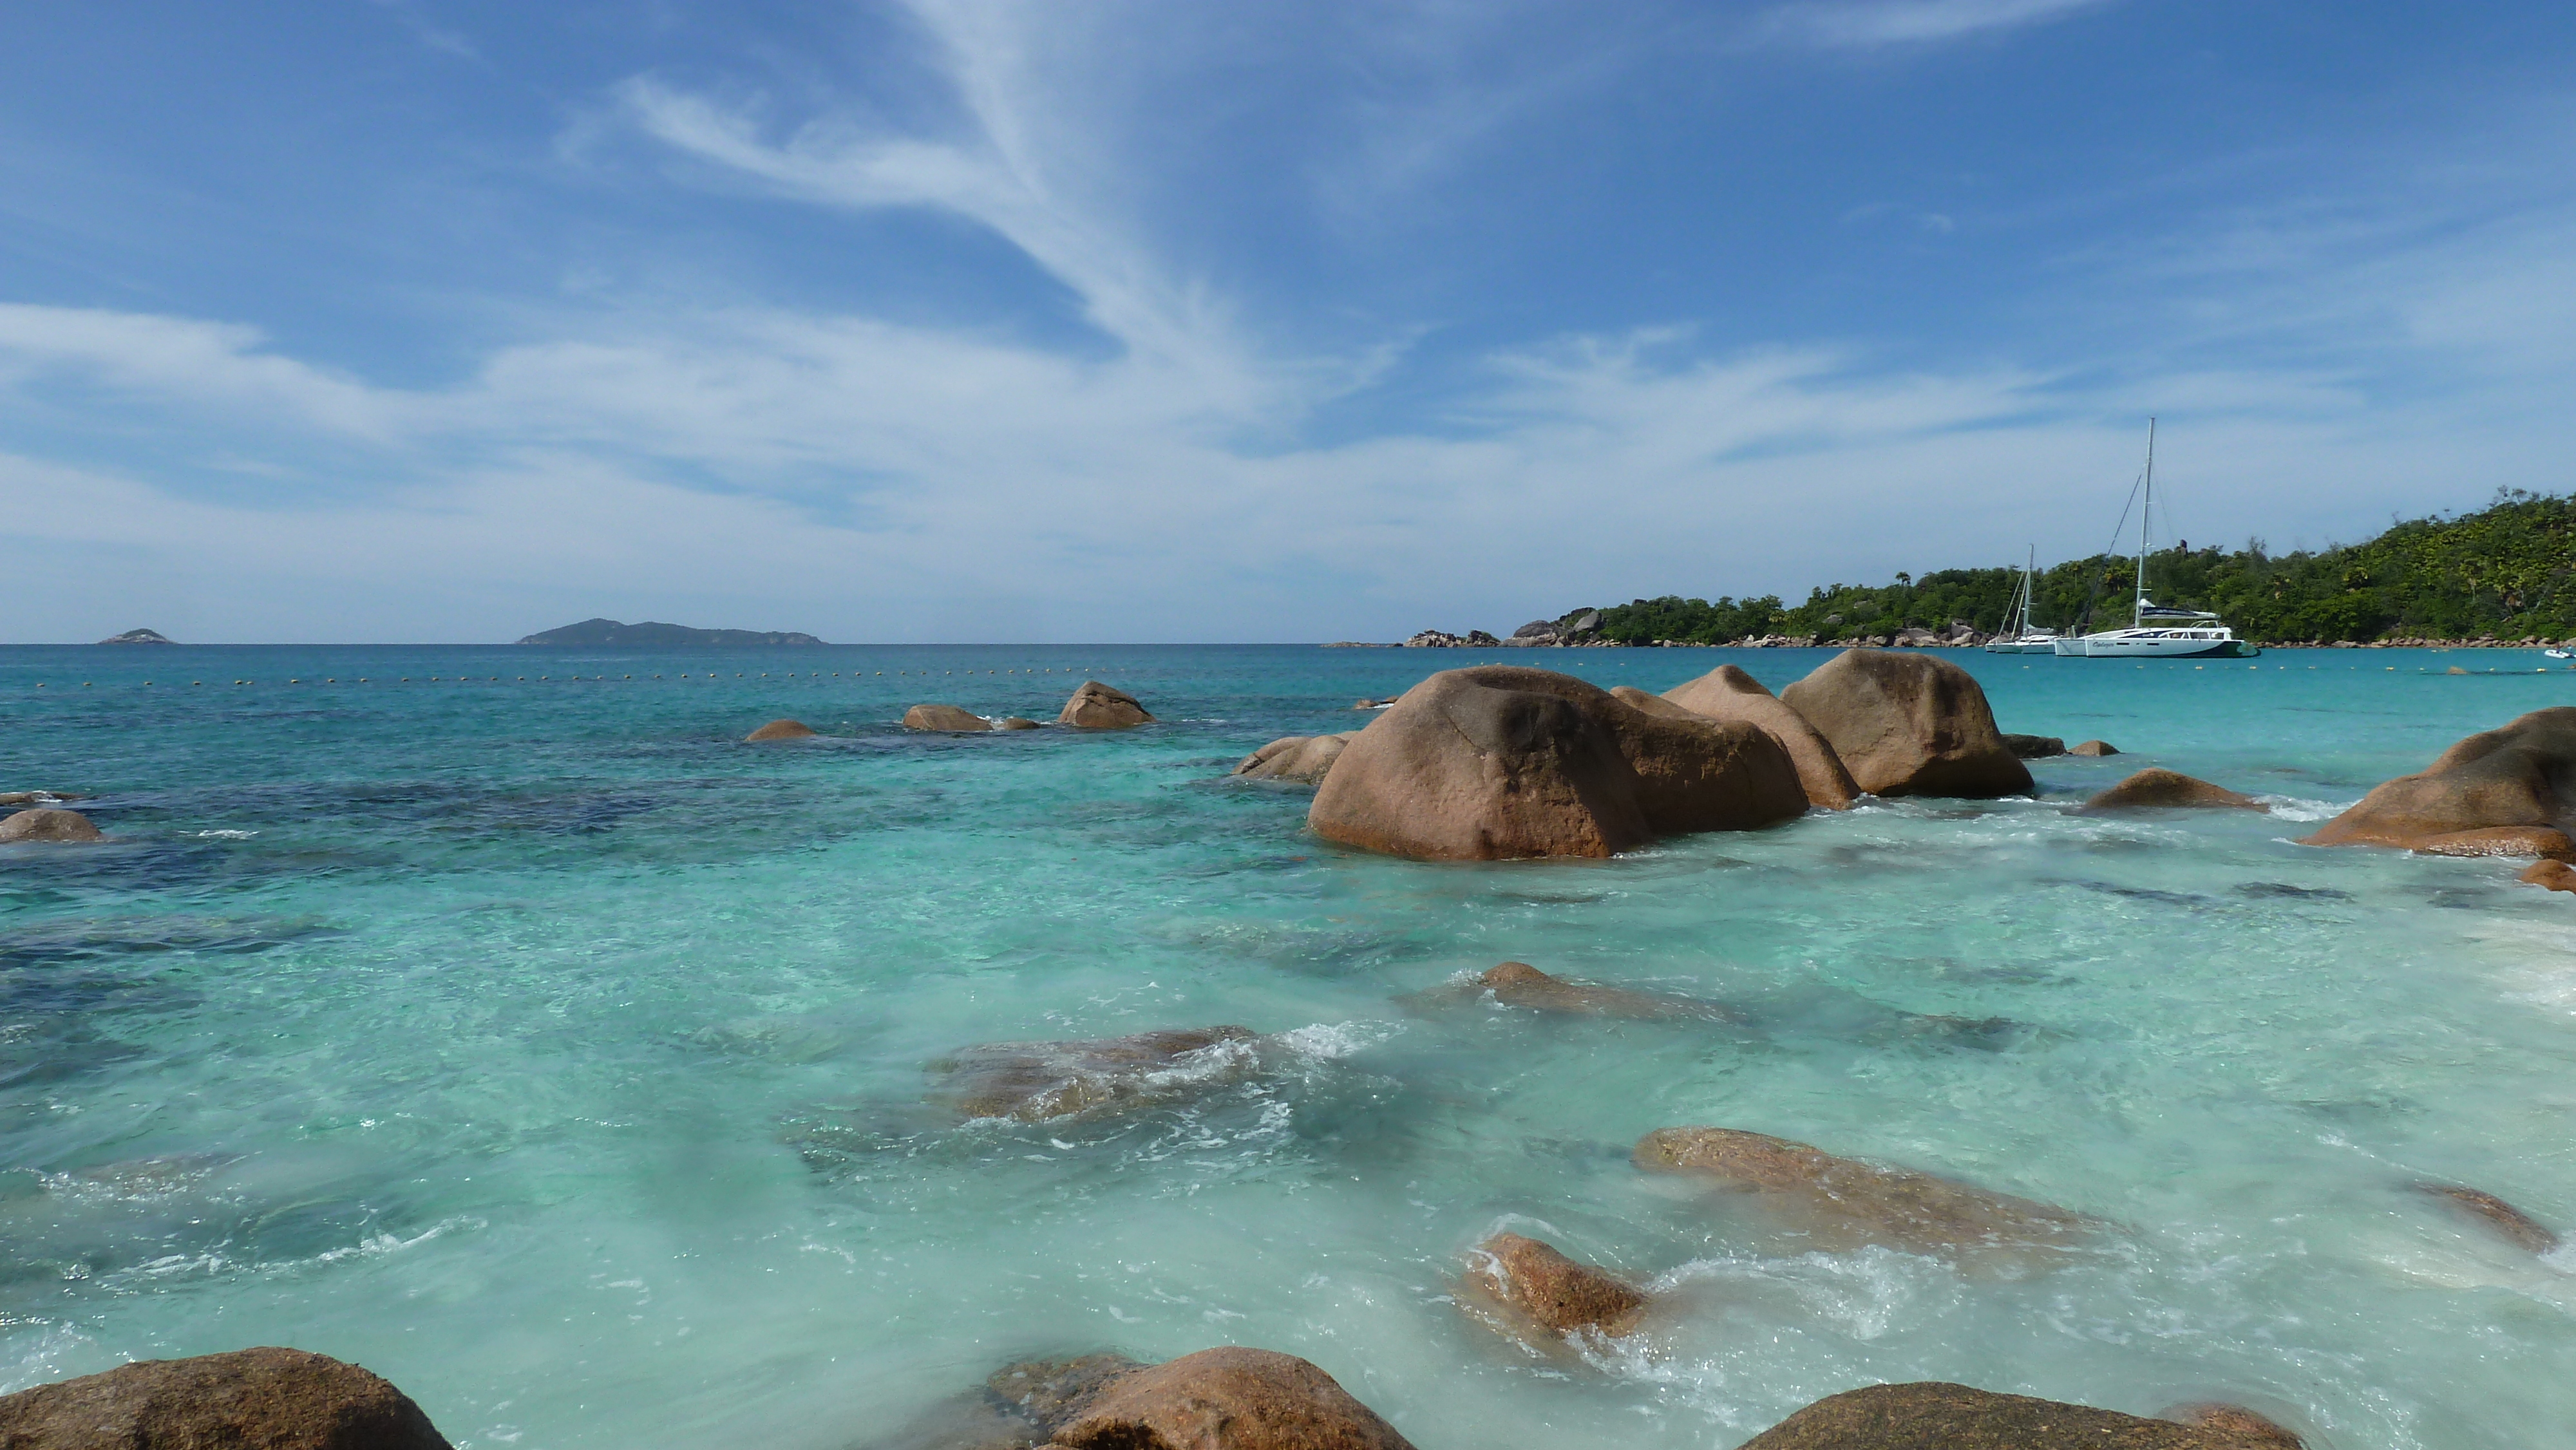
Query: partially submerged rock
[1527, 1289]
[1496, 762]
[1015, 722]
[1019, 1406]
[1908, 724]
[2523, 774]
[2156, 788]
[2035, 747]
[45, 823]
[37, 797]
[1518, 984]
[1228, 1399]
[256, 1399]
[2543, 841]
[950, 718]
[782, 730]
[1296, 757]
[2517, 1227]
[1728, 693]
[1843, 1203]
[1095, 1077]
[1096, 706]
[2094, 748]
[1930, 1415]
[2554, 874]
[2248, 1429]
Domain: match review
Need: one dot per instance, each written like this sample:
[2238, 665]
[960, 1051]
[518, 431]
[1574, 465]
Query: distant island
[139, 636]
[608, 633]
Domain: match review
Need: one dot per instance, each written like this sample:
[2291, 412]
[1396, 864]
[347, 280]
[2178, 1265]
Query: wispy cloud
[1901, 22]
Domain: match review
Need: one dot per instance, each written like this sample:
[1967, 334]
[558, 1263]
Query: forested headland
[2507, 571]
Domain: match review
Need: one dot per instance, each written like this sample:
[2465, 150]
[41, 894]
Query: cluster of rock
[1443, 639]
[1502, 761]
[2484, 641]
[1094, 706]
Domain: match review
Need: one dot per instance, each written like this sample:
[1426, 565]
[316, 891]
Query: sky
[1124, 320]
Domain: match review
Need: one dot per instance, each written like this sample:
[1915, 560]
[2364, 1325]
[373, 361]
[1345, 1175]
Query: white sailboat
[2156, 631]
[2019, 636]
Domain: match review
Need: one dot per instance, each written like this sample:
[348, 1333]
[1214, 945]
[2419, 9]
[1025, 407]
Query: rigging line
[2110, 553]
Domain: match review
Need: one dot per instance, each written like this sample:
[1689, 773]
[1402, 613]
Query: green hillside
[2504, 571]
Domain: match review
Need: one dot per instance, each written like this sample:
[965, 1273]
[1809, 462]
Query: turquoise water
[549, 1051]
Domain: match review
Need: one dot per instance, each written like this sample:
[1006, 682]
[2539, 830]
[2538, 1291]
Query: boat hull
[2021, 646]
[2154, 645]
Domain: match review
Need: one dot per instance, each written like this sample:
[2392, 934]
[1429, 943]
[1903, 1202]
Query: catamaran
[2018, 635]
[2156, 631]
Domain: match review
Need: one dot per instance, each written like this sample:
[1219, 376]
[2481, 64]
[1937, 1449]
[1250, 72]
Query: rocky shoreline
[1583, 632]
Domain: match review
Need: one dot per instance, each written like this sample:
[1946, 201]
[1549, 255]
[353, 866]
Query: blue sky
[433, 320]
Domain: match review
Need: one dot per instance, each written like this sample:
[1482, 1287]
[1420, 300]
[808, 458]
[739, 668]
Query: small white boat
[2560, 654]
[2156, 631]
[2019, 636]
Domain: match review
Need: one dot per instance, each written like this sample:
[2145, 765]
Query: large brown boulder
[949, 718]
[1096, 706]
[1096, 1077]
[47, 824]
[1496, 762]
[2523, 774]
[1296, 757]
[1909, 724]
[782, 730]
[1728, 693]
[2156, 788]
[250, 1399]
[1228, 1399]
[1529, 1290]
[1843, 1203]
[1933, 1416]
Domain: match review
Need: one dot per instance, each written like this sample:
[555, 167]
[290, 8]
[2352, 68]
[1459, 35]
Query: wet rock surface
[782, 730]
[1498, 762]
[2551, 873]
[1303, 758]
[1228, 1399]
[2243, 1426]
[2516, 1227]
[46, 823]
[1908, 724]
[255, 1399]
[2522, 774]
[2156, 788]
[2034, 747]
[1095, 706]
[1518, 984]
[1934, 1416]
[1728, 693]
[2093, 748]
[1526, 1288]
[1019, 1406]
[2543, 841]
[1844, 1203]
[948, 718]
[1095, 1077]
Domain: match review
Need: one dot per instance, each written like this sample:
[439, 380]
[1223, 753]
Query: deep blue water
[543, 1047]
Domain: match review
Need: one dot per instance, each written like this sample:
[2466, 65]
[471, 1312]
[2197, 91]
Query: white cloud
[1898, 22]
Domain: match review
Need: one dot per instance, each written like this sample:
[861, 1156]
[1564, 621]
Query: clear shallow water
[547, 1050]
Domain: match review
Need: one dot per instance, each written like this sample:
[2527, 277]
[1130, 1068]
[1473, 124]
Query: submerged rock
[1019, 1406]
[1015, 722]
[1843, 1203]
[2094, 748]
[1296, 757]
[2523, 774]
[44, 823]
[1908, 724]
[1518, 984]
[1496, 762]
[1930, 1415]
[2248, 1429]
[1728, 693]
[1096, 706]
[268, 1398]
[2156, 788]
[2517, 1227]
[1228, 1399]
[1527, 1289]
[2035, 747]
[948, 718]
[1095, 1077]
[2552, 873]
[782, 730]
[37, 797]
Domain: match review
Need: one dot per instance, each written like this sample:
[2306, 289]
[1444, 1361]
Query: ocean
[536, 1043]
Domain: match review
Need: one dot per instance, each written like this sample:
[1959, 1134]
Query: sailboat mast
[2146, 511]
